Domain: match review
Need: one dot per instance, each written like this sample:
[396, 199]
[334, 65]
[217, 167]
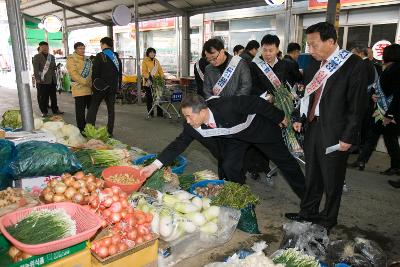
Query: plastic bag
[7, 153]
[312, 239]
[36, 158]
[193, 244]
[248, 220]
[362, 252]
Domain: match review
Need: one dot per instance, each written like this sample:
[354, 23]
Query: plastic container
[178, 169]
[204, 183]
[87, 224]
[128, 188]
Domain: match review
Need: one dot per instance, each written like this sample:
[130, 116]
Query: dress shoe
[296, 217]
[391, 171]
[395, 184]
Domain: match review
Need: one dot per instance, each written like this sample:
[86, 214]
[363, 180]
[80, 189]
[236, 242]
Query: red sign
[157, 24]
[378, 48]
[321, 4]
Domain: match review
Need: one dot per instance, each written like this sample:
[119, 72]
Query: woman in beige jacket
[80, 70]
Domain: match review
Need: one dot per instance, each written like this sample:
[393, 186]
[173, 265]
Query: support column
[185, 45]
[332, 12]
[65, 33]
[137, 38]
[110, 31]
[20, 62]
[288, 23]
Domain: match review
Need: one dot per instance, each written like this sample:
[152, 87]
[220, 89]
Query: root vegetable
[70, 192]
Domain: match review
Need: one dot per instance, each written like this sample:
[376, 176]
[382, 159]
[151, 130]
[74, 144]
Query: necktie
[317, 96]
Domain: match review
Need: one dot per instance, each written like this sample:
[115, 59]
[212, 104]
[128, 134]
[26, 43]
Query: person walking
[44, 69]
[80, 70]
[331, 113]
[151, 68]
[107, 79]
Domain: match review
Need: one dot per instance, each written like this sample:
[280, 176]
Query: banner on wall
[321, 4]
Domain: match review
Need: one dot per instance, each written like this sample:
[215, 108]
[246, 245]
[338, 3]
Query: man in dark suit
[293, 53]
[199, 70]
[331, 117]
[250, 51]
[250, 119]
[107, 78]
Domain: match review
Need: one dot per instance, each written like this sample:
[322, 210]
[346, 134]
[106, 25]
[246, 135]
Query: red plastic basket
[87, 224]
[128, 188]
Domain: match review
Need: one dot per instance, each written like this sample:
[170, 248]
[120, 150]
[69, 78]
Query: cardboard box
[80, 259]
[146, 257]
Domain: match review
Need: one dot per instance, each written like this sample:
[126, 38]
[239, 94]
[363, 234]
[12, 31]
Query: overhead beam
[107, 23]
[167, 5]
[77, 6]
[225, 7]
[35, 5]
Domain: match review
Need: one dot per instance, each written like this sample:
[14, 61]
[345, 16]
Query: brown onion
[60, 188]
[84, 191]
[53, 182]
[46, 190]
[68, 180]
[76, 185]
[70, 192]
[58, 198]
[77, 198]
[91, 186]
[99, 183]
[90, 178]
[79, 175]
[49, 196]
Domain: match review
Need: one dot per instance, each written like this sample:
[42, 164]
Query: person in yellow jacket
[80, 70]
[151, 68]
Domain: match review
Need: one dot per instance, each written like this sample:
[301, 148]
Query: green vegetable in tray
[156, 181]
[294, 258]
[235, 196]
[12, 119]
[186, 181]
[42, 226]
[99, 133]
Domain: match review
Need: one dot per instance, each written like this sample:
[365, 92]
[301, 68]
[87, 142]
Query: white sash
[227, 75]
[323, 74]
[267, 70]
[201, 74]
[46, 67]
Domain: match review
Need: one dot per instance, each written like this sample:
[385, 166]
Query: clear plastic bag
[36, 158]
[191, 244]
[312, 239]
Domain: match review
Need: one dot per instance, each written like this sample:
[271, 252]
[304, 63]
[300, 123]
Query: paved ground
[370, 210]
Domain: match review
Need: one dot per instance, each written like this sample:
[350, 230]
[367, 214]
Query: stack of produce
[66, 134]
[9, 196]
[205, 175]
[75, 188]
[11, 119]
[160, 178]
[235, 196]
[128, 227]
[180, 213]
[210, 190]
[100, 139]
[13, 199]
[295, 258]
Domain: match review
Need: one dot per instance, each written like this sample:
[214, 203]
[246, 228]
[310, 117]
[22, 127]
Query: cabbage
[12, 119]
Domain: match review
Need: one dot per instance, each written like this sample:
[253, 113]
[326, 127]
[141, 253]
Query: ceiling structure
[84, 13]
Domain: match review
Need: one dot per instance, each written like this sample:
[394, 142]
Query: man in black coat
[107, 79]
[199, 70]
[250, 119]
[250, 51]
[331, 117]
[293, 53]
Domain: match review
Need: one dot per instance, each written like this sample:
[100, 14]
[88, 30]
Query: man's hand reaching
[148, 170]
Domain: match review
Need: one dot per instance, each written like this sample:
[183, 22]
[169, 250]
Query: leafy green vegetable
[99, 133]
[294, 258]
[186, 181]
[12, 119]
[235, 196]
[156, 181]
[42, 226]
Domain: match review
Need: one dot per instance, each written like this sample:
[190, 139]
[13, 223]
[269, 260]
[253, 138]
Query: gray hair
[196, 102]
[361, 50]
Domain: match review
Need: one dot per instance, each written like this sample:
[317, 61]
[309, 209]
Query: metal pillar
[110, 31]
[20, 62]
[178, 48]
[288, 21]
[185, 45]
[65, 33]
[138, 70]
[331, 11]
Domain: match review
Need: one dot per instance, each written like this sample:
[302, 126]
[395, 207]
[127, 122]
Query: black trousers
[390, 137]
[46, 91]
[230, 163]
[324, 173]
[255, 161]
[149, 102]
[81, 104]
[98, 96]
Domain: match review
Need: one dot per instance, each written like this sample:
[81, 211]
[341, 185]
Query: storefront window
[357, 36]
[220, 26]
[383, 32]
[243, 38]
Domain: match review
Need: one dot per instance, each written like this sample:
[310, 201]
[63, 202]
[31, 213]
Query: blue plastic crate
[204, 183]
[178, 170]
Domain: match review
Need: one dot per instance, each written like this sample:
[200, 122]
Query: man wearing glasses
[226, 75]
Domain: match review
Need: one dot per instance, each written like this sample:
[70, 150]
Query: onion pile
[129, 226]
[75, 188]
[17, 255]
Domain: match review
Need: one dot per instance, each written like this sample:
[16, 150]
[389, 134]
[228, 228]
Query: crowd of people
[345, 102]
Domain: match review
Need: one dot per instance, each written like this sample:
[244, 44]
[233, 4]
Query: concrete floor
[371, 209]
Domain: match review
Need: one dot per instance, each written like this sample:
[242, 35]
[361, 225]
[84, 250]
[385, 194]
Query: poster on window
[321, 4]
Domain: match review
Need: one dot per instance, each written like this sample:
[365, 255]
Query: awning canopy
[81, 13]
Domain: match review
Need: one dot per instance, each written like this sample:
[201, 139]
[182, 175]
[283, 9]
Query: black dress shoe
[295, 217]
[391, 171]
[58, 112]
[395, 184]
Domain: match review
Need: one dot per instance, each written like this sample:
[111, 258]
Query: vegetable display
[205, 175]
[11, 119]
[74, 188]
[100, 133]
[235, 196]
[42, 226]
[123, 178]
[17, 255]
[149, 161]
[66, 134]
[294, 258]
[211, 190]
[9, 196]
[186, 181]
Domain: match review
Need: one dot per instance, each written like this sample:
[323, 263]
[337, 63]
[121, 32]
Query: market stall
[70, 200]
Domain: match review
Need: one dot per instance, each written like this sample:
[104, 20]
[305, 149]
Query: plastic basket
[87, 224]
[178, 169]
[204, 183]
[128, 188]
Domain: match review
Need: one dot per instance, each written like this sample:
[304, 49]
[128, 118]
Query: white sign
[52, 23]
[121, 15]
[377, 49]
[274, 2]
